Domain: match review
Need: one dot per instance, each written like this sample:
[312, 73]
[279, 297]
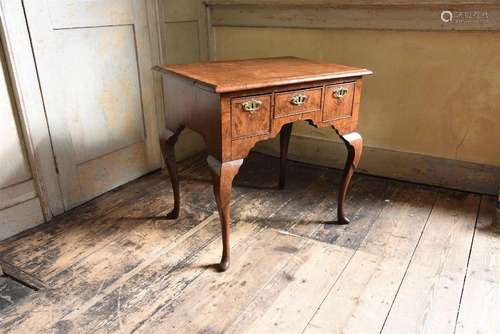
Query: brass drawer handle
[298, 100]
[340, 92]
[252, 106]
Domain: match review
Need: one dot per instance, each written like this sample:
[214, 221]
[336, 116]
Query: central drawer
[297, 102]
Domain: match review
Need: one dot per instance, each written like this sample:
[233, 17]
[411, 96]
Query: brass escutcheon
[252, 106]
[340, 92]
[298, 100]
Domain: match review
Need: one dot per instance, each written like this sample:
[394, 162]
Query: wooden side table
[235, 104]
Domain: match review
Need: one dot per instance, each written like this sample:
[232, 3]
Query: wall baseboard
[405, 166]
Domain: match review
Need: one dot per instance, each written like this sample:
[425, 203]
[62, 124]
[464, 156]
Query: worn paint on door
[94, 66]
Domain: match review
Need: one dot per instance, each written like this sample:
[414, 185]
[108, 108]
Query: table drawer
[338, 101]
[297, 102]
[250, 116]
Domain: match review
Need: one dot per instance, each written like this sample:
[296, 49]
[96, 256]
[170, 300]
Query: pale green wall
[435, 93]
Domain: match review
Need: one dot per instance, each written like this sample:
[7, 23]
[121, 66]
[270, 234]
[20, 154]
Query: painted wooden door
[94, 64]
[20, 206]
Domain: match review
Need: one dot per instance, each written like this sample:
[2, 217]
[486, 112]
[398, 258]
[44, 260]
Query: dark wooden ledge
[470, 15]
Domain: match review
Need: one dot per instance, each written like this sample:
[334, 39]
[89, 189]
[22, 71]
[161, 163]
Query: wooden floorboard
[134, 234]
[367, 197]
[369, 283]
[274, 309]
[116, 265]
[254, 199]
[270, 261]
[114, 199]
[81, 229]
[267, 275]
[256, 202]
[429, 296]
[480, 304]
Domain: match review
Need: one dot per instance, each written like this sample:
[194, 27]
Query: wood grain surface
[230, 76]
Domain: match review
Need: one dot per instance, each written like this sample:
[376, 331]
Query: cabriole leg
[222, 177]
[354, 145]
[285, 133]
[167, 145]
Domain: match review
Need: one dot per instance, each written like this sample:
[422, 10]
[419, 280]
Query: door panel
[101, 88]
[14, 166]
[20, 206]
[94, 66]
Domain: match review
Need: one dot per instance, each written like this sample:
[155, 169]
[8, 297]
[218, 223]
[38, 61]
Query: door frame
[16, 41]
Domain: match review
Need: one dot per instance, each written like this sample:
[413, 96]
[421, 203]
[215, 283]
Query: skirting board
[398, 165]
